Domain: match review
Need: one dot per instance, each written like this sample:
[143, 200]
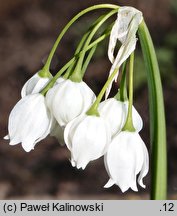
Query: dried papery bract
[124, 30]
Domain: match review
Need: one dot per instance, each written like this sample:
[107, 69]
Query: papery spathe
[87, 137]
[29, 122]
[126, 157]
[124, 30]
[69, 99]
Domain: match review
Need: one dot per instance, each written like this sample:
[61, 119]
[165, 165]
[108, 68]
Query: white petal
[59, 80]
[70, 130]
[29, 120]
[70, 100]
[87, 137]
[114, 113]
[145, 167]
[28, 145]
[90, 140]
[109, 184]
[6, 137]
[73, 163]
[34, 85]
[50, 96]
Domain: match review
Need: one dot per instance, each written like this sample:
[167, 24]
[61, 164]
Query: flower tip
[109, 184]
[141, 183]
[81, 166]
[7, 137]
[27, 147]
[13, 142]
[134, 188]
[73, 163]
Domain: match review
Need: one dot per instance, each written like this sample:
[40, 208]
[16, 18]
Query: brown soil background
[28, 29]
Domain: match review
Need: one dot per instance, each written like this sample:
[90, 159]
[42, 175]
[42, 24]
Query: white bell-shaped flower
[68, 100]
[126, 157]
[124, 30]
[29, 122]
[87, 137]
[35, 84]
[115, 113]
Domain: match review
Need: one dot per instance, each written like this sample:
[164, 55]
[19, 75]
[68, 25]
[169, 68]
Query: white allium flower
[124, 30]
[87, 137]
[29, 122]
[35, 84]
[68, 100]
[115, 113]
[126, 157]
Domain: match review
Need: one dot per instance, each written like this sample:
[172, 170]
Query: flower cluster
[71, 112]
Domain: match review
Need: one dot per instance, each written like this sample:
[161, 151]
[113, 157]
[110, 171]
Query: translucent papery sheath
[124, 30]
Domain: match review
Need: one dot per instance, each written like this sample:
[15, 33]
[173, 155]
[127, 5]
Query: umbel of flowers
[64, 106]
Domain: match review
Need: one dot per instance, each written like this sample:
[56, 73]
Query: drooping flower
[87, 137]
[68, 100]
[115, 113]
[124, 30]
[126, 157]
[35, 84]
[29, 122]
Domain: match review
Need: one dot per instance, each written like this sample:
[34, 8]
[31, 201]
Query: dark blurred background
[28, 30]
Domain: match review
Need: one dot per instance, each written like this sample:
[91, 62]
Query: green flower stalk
[157, 117]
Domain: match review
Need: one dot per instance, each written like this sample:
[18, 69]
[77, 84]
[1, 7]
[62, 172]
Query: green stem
[94, 108]
[123, 84]
[70, 62]
[87, 61]
[69, 70]
[95, 7]
[122, 92]
[77, 76]
[129, 121]
[79, 47]
[157, 117]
